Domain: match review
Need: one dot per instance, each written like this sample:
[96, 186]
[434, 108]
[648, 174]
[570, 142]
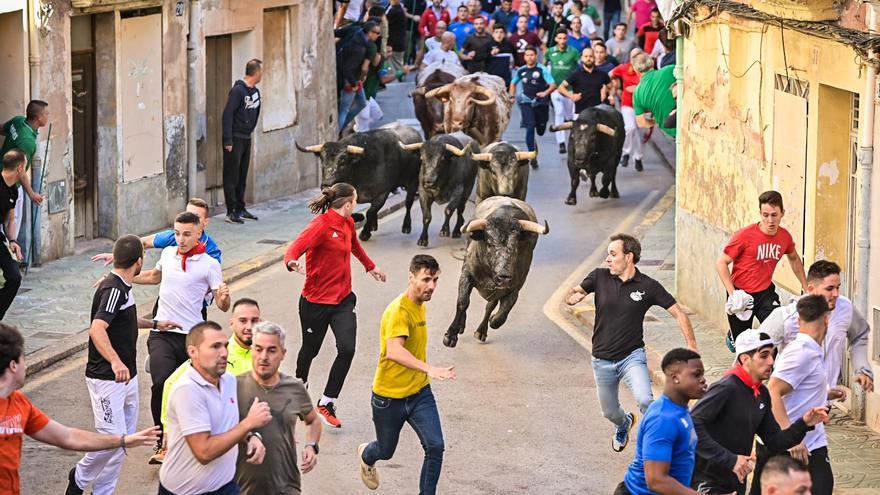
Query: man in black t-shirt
[623, 296]
[476, 48]
[586, 86]
[10, 253]
[112, 366]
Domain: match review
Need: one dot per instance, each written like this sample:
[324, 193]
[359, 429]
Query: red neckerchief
[198, 249]
[746, 378]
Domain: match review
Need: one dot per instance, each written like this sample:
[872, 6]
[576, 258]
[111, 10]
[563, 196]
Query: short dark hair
[187, 217]
[245, 301]
[252, 66]
[579, 3]
[630, 245]
[676, 356]
[560, 31]
[12, 159]
[196, 335]
[559, 2]
[596, 43]
[369, 26]
[781, 465]
[821, 269]
[34, 109]
[126, 251]
[376, 11]
[498, 26]
[424, 261]
[462, 6]
[11, 346]
[621, 24]
[531, 48]
[812, 308]
[772, 198]
[655, 10]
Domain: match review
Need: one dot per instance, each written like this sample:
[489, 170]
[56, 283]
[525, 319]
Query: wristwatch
[251, 434]
[313, 445]
[155, 324]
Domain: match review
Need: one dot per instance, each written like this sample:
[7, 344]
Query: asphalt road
[521, 418]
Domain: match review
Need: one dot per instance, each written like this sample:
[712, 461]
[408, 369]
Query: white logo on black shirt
[252, 101]
[761, 406]
[636, 295]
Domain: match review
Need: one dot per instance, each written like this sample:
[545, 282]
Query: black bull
[594, 146]
[502, 238]
[375, 164]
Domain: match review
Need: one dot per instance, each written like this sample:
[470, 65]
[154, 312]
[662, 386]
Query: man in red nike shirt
[754, 252]
[328, 242]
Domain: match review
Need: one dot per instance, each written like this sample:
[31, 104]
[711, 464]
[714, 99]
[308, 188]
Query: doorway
[218, 76]
[85, 177]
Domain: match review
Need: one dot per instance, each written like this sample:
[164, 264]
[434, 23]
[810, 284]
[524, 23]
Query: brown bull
[430, 112]
[477, 105]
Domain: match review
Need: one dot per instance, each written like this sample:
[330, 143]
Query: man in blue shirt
[667, 442]
[461, 27]
[534, 101]
[504, 15]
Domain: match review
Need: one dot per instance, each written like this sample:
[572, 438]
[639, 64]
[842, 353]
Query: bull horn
[438, 92]
[529, 226]
[354, 150]
[482, 157]
[526, 155]
[315, 148]
[455, 151]
[478, 224]
[562, 127]
[410, 147]
[487, 93]
[604, 129]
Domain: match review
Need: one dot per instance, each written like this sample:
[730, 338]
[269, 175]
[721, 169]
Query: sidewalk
[855, 450]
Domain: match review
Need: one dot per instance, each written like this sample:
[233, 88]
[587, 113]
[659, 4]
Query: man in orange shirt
[18, 417]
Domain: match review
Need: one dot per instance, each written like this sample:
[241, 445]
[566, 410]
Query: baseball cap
[751, 340]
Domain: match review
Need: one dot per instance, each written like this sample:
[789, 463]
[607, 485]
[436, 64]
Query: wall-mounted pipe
[192, 118]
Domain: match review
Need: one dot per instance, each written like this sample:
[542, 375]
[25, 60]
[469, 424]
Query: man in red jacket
[432, 15]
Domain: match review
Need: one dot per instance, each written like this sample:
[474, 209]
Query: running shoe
[246, 215]
[534, 163]
[369, 475]
[731, 345]
[328, 415]
[158, 456]
[234, 218]
[72, 488]
[561, 148]
[639, 166]
[624, 161]
[621, 436]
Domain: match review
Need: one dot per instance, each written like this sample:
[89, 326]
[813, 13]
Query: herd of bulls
[463, 118]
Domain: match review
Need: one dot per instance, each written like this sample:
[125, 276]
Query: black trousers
[765, 302]
[167, 352]
[820, 470]
[235, 170]
[315, 318]
[12, 276]
[621, 489]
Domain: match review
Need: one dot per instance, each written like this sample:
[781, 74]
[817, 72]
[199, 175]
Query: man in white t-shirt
[445, 53]
[799, 383]
[185, 274]
[203, 419]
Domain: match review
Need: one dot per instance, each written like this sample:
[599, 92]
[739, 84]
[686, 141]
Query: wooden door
[218, 81]
[84, 167]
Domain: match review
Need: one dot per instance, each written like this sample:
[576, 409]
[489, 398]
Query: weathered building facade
[780, 95]
[136, 89]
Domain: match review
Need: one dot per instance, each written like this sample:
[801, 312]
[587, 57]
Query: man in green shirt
[562, 60]
[654, 97]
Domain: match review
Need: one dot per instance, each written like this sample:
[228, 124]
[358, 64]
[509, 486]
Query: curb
[659, 148]
[72, 344]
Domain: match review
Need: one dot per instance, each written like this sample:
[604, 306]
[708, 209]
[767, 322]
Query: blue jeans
[420, 411]
[633, 370]
[609, 19]
[350, 104]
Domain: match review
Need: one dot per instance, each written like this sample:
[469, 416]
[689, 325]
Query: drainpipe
[679, 144]
[192, 118]
[37, 165]
[863, 213]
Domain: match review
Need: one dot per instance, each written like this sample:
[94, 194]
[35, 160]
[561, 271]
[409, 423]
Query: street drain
[275, 242]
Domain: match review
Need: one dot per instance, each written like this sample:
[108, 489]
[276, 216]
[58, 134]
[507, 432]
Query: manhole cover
[275, 242]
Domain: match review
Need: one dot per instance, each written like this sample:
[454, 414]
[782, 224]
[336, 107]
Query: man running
[754, 252]
[204, 421]
[664, 461]
[562, 60]
[534, 101]
[586, 86]
[112, 366]
[735, 409]
[401, 387]
[626, 78]
[785, 476]
[19, 417]
[288, 401]
[798, 384]
[623, 296]
[185, 275]
[10, 251]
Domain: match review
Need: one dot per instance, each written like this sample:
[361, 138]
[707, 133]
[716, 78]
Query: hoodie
[241, 112]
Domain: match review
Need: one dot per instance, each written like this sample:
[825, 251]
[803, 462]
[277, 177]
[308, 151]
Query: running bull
[504, 171]
[375, 164]
[475, 104]
[594, 146]
[502, 238]
[429, 112]
[447, 175]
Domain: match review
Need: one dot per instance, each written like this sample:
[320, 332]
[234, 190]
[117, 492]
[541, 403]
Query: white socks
[324, 400]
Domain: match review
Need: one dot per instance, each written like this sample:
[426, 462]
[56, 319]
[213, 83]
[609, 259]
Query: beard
[589, 65]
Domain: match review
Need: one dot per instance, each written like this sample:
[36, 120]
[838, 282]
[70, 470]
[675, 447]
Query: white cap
[750, 340]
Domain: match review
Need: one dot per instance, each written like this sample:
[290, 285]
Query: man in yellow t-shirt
[401, 388]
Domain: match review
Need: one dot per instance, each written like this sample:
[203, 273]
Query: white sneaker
[369, 475]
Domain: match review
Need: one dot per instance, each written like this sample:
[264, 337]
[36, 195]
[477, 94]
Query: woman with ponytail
[328, 242]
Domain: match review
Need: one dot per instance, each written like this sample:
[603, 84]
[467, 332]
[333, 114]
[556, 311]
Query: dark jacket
[241, 112]
[353, 48]
[726, 420]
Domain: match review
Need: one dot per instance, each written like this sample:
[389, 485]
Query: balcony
[105, 5]
[801, 10]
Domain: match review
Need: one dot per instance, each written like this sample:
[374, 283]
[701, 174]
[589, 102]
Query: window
[278, 93]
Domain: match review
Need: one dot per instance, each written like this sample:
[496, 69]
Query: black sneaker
[72, 489]
[247, 215]
[534, 163]
[233, 218]
[639, 166]
[624, 162]
[541, 129]
[561, 148]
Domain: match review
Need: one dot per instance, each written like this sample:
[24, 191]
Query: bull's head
[504, 163]
[337, 158]
[505, 238]
[460, 99]
[583, 136]
[436, 156]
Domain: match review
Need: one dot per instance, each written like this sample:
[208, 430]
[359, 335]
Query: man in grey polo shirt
[203, 418]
